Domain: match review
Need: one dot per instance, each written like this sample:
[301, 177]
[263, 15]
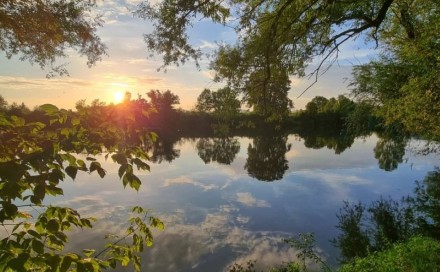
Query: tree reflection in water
[163, 149]
[389, 151]
[267, 157]
[221, 150]
[366, 229]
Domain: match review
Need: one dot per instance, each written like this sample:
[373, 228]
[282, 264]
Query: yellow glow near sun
[118, 97]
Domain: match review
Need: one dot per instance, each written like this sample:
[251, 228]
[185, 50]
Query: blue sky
[128, 68]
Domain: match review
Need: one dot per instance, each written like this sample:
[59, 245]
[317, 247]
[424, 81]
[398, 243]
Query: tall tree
[163, 101]
[222, 102]
[283, 37]
[41, 31]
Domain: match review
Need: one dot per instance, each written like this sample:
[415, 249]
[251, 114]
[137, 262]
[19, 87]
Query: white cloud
[188, 180]
[248, 200]
[209, 45]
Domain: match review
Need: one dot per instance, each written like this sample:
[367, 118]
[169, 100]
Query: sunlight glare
[118, 97]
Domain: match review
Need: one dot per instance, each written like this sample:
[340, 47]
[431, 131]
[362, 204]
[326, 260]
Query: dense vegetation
[47, 146]
[396, 92]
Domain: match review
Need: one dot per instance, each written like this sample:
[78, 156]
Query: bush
[418, 254]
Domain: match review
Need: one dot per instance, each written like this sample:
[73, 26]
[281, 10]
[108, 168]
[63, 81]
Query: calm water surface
[228, 201]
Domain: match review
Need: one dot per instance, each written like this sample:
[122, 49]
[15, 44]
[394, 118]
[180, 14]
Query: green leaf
[52, 225]
[65, 132]
[49, 109]
[18, 263]
[88, 252]
[65, 263]
[135, 183]
[94, 166]
[40, 191]
[34, 233]
[38, 246]
[18, 121]
[82, 165]
[71, 171]
[10, 209]
[126, 179]
[101, 172]
[120, 158]
[76, 121]
[122, 169]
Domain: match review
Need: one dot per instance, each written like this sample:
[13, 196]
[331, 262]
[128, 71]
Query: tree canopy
[42, 31]
[278, 39]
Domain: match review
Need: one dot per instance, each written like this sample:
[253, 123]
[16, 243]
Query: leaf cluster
[36, 156]
[42, 31]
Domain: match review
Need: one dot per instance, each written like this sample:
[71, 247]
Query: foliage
[163, 101]
[418, 254]
[278, 39]
[42, 31]
[38, 155]
[403, 83]
[221, 150]
[426, 204]
[264, 86]
[223, 102]
[267, 157]
[389, 151]
[373, 228]
[367, 229]
[305, 243]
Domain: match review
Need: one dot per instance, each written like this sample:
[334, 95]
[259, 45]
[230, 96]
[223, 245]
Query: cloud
[248, 200]
[209, 45]
[334, 178]
[188, 180]
[21, 82]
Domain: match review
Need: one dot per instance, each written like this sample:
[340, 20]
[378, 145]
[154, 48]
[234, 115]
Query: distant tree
[3, 104]
[205, 101]
[163, 102]
[224, 106]
[223, 102]
[316, 105]
[42, 31]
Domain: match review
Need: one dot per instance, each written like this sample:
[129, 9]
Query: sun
[118, 97]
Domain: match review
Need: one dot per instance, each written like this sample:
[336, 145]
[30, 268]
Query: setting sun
[118, 97]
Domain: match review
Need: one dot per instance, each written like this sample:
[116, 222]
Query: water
[229, 201]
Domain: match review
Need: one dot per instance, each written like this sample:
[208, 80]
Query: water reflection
[221, 150]
[267, 157]
[216, 214]
[376, 226]
[163, 149]
[389, 151]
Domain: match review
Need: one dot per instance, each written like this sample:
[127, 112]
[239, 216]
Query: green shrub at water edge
[418, 254]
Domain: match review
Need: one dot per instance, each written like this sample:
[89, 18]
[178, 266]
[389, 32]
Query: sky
[128, 67]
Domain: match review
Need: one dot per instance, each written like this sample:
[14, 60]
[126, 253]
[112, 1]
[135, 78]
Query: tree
[3, 104]
[223, 102]
[163, 102]
[284, 36]
[42, 31]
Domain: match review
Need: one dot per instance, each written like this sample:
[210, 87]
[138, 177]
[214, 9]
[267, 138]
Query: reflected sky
[216, 214]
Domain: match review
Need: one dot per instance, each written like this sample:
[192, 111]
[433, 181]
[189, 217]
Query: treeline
[218, 113]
